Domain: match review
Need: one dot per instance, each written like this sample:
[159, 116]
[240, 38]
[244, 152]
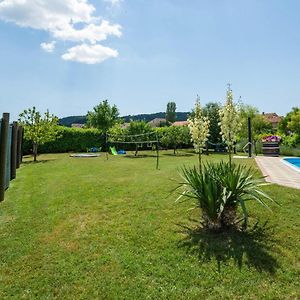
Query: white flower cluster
[199, 128]
[229, 121]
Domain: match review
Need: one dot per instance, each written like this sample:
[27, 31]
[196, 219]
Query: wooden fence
[11, 139]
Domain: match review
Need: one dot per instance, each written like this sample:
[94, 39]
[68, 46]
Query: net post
[106, 145]
[157, 152]
[249, 138]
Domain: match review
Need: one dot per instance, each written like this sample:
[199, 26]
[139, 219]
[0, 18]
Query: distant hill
[68, 121]
[180, 116]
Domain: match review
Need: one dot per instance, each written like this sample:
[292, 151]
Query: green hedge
[289, 151]
[70, 140]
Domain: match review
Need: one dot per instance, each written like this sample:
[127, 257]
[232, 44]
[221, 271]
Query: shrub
[219, 189]
[208, 193]
[241, 186]
[290, 140]
[289, 151]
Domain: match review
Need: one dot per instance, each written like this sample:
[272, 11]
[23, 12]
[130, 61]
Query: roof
[272, 117]
[125, 125]
[77, 125]
[157, 122]
[180, 123]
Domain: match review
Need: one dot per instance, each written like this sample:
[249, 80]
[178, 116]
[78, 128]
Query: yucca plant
[218, 189]
[241, 186]
[209, 194]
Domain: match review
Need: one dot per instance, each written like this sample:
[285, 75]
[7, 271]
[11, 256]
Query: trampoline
[83, 155]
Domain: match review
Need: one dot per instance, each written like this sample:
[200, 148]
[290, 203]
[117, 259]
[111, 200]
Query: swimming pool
[293, 162]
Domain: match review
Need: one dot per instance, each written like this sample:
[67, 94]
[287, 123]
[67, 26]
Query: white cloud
[91, 32]
[114, 3]
[89, 54]
[68, 20]
[46, 15]
[48, 47]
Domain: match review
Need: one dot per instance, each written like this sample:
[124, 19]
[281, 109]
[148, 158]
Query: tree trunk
[200, 160]
[229, 215]
[214, 225]
[34, 151]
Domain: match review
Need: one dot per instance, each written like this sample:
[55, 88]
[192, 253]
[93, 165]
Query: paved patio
[278, 172]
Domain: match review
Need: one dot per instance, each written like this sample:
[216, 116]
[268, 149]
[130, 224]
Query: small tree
[103, 116]
[174, 136]
[171, 112]
[229, 123]
[39, 130]
[199, 129]
[139, 128]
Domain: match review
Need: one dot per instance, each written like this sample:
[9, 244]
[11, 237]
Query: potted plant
[270, 145]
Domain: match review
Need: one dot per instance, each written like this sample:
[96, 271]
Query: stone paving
[276, 171]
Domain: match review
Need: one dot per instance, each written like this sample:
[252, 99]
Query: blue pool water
[295, 161]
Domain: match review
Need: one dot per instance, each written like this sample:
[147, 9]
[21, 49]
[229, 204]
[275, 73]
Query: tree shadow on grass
[178, 154]
[42, 161]
[252, 247]
[139, 156]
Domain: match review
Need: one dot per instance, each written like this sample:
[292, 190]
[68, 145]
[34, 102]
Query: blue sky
[147, 53]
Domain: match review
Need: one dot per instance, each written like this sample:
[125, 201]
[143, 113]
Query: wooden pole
[19, 146]
[3, 153]
[14, 144]
[22, 142]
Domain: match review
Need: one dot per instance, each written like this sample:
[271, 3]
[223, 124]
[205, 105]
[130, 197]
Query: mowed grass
[75, 228]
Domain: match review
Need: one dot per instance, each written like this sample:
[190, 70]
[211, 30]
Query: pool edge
[289, 164]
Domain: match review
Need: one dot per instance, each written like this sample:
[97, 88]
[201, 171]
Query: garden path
[276, 171]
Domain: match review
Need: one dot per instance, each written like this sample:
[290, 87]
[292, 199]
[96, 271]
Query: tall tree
[283, 125]
[211, 111]
[294, 123]
[259, 124]
[38, 129]
[103, 116]
[171, 112]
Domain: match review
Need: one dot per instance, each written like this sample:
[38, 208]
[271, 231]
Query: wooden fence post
[22, 142]
[19, 146]
[14, 143]
[3, 153]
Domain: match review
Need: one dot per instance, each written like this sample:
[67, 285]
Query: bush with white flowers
[229, 122]
[199, 129]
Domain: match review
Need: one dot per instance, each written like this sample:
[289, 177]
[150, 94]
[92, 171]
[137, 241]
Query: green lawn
[73, 228]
